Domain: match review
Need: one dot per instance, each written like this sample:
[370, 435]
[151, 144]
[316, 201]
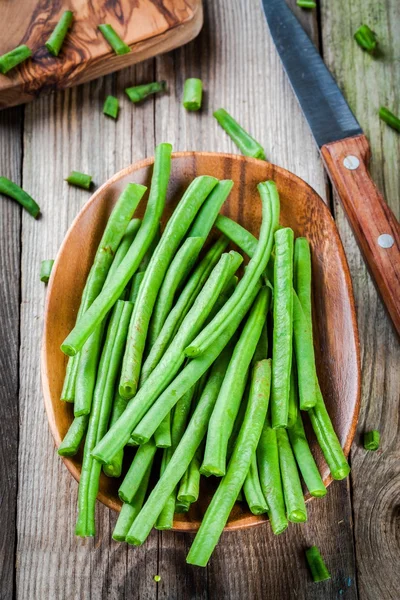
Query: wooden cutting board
[149, 27]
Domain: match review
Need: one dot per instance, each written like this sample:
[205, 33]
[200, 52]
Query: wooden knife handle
[374, 225]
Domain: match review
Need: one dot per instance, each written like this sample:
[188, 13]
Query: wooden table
[356, 525]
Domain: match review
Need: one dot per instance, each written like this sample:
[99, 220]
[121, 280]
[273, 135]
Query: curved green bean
[14, 191]
[227, 492]
[120, 432]
[74, 436]
[130, 511]
[181, 458]
[270, 478]
[108, 296]
[283, 327]
[182, 306]
[294, 500]
[305, 459]
[231, 393]
[252, 489]
[141, 463]
[175, 230]
[327, 438]
[256, 266]
[245, 240]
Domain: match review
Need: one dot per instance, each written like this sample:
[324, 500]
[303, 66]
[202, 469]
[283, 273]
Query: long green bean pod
[74, 436]
[224, 498]
[14, 191]
[13, 58]
[120, 433]
[270, 209]
[181, 458]
[109, 295]
[283, 327]
[243, 140]
[182, 306]
[141, 463]
[130, 511]
[252, 489]
[162, 434]
[327, 438]
[98, 420]
[237, 234]
[189, 488]
[305, 459]
[174, 232]
[305, 358]
[270, 478]
[231, 393]
[294, 500]
[293, 398]
[57, 37]
[114, 467]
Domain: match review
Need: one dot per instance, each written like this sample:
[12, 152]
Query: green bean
[136, 283]
[166, 517]
[182, 306]
[190, 483]
[227, 492]
[238, 421]
[130, 511]
[372, 440]
[98, 420]
[366, 38]
[74, 436]
[114, 40]
[114, 467]
[111, 107]
[256, 266]
[305, 358]
[181, 458]
[294, 500]
[237, 234]
[305, 459]
[57, 37]
[389, 118]
[239, 136]
[45, 270]
[252, 489]
[155, 206]
[137, 93]
[306, 4]
[231, 393]
[181, 506]
[141, 463]
[293, 398]
[270, 477]
[13, 58]
[78, 179]
[162, 434]
[179, 268]
[175, 230]
[192, 94]
[327, 438]
[188, 376]
[302, 275]
[12, 190]
[209, 211]
[171, 362]
[283, 327]
[317, 565]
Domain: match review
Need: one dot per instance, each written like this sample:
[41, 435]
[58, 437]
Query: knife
[344, 149]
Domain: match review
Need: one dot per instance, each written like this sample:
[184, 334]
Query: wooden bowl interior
[335, 329]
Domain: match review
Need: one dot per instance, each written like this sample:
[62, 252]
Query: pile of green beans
[170, 355]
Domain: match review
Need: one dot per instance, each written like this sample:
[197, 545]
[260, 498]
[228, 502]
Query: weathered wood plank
[63, 132]
[241, 71]
[11, 124]
[369, 83]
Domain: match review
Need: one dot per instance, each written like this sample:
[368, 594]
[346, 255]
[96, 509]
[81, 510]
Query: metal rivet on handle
[351, 162]
[385, 240]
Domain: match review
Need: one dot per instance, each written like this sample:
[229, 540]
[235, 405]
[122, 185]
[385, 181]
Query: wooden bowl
[335, 327]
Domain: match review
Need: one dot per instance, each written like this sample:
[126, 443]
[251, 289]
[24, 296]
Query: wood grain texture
[369, 217]
[149, 27]
[10, 257]
[367, 84]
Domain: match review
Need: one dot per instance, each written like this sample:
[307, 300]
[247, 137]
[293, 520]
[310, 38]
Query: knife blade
[344, 149]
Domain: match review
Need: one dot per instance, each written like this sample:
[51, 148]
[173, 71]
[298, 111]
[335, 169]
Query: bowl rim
[187, 526]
